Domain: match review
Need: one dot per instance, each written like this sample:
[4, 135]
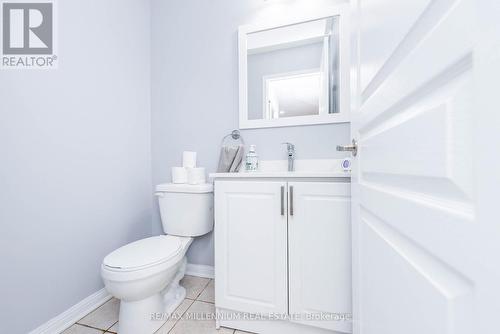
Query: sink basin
[304, 168]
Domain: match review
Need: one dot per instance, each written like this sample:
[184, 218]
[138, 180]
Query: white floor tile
[183, 307]
[104, 317]
[195, 321]
[77, 329]
[113, 329]
[194, 285]
[208, 295]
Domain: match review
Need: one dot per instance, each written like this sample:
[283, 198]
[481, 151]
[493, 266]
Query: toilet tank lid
[185, 188]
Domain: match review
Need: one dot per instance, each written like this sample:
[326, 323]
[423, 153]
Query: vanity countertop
[303, 174]
[314, 168]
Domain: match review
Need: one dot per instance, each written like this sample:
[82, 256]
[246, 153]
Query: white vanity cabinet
[319, 252]
[251, 246]
[283, 249]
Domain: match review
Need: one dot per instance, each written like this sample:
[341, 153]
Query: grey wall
[75, 178]
[195, 90]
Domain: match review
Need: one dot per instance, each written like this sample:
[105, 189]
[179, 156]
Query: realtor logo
[28, 34]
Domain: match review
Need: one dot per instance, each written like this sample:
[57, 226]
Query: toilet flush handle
[159, 194]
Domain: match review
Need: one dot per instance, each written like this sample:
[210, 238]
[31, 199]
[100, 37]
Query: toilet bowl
[145, 274]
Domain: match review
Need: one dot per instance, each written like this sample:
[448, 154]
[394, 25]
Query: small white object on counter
[346, 164]
[188, 159]
[252, 160]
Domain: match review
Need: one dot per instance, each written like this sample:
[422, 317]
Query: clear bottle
[252, 160]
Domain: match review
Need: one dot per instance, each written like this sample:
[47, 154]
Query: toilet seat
[144, 258]
[144, 253]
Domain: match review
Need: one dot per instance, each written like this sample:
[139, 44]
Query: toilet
[144, 275]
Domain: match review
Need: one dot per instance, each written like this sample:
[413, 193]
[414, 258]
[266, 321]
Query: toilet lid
[144, 252]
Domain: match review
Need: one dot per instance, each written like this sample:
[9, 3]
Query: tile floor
[199, 299]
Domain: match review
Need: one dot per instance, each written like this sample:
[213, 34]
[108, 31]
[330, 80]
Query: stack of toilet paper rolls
[188, 173]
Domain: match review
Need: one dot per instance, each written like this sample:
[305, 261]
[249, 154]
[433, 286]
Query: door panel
[426, 294]
[320, 252]
[251, 246]
[373, 27]
[415, 209]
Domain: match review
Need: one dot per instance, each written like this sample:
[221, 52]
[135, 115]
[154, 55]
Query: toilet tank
[186, 210]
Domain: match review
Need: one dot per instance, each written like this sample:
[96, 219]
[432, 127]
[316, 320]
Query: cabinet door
[251, 246]
[320, 252]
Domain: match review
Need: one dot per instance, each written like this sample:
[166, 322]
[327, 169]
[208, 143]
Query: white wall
[195, 89]
[75, 177]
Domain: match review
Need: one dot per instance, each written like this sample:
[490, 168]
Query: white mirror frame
[343, 116]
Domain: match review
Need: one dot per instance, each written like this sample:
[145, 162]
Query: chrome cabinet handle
[282, 200]
[350, 148]
[291, 200]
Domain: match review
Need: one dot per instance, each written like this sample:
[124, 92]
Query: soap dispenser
[252, 160]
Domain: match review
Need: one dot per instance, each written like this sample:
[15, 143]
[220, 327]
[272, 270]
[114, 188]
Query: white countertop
[304, 174]
[314, 168]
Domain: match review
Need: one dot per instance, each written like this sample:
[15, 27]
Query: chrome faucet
[290, 148]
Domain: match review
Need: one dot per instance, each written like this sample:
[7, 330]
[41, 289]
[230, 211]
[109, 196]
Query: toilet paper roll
[196, 175]
[179, 175]
[189, 159]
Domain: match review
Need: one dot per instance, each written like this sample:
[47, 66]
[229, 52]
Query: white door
[251, 246]
[319, 256]
[425, 185]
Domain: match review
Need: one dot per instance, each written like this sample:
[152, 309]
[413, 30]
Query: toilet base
[146, 316]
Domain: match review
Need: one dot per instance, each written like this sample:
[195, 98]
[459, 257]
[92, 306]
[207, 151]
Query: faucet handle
[289, 146]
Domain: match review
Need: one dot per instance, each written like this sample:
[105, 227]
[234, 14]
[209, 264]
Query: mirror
[294, 74]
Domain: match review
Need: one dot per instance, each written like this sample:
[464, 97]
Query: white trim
[296, 121]
[69, 317]
[243, 74]
[66, 319]
[325, 82]
[286, 45]
[200, 270]
[343, 116]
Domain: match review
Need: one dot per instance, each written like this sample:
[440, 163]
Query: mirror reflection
[292, 71]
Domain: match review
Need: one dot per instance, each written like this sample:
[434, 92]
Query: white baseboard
[73, 314]
[200, 270]
[64, 320]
